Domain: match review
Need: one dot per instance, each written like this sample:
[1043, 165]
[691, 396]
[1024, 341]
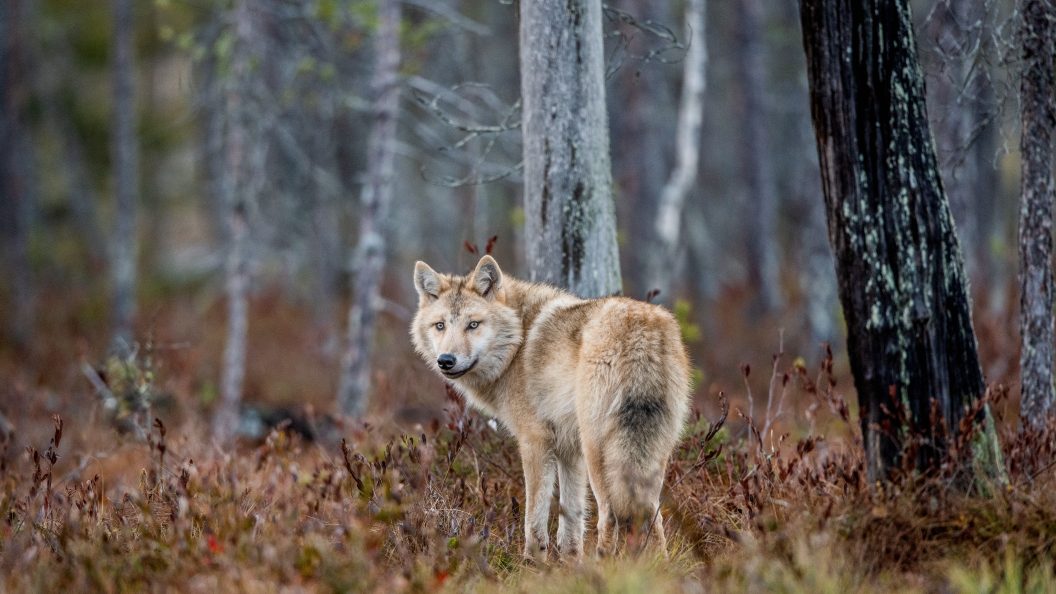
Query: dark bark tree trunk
[16, 171]
[898, 263]
[125, 156]
[1037, 100]
[756, 164]
[368, 260]
[570, 218]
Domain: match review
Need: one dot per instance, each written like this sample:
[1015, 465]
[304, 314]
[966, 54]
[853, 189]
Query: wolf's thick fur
[595, 389]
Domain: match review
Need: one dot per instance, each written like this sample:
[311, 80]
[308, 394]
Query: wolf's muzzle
[460, 372]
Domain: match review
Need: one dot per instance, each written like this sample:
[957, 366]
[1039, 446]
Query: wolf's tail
[636, 370]
[644, 430]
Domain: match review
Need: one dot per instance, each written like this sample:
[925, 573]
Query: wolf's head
[464, 327]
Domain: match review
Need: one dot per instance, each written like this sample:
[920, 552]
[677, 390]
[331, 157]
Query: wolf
[597, 390]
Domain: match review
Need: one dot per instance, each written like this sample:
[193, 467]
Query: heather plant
[441, 508]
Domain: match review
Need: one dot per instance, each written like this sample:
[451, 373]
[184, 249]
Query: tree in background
[125, 157]
[570, 222]
[798, 180]
[756, 164]
[899, 266]
[368, 260]
[962, 114]
[17, 178]
[240, 184]
[643, 102]
[1037, 100]
[670, 210]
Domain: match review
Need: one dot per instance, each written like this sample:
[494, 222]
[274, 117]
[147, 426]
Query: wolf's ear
[487, 277]
[426, 280]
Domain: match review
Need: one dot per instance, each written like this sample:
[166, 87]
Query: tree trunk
[668, 225]
[368, 259]
[570, 218]
[641, 98]
[82, 197]
[16, 170]
[1037, 100]
[962, 100]
[757, 167]
[125, 156]
[797, 166]
[237, 191]
[899, 266]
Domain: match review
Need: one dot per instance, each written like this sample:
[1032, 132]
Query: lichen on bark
[898, 260]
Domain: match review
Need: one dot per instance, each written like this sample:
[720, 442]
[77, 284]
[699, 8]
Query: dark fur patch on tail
[640, 418]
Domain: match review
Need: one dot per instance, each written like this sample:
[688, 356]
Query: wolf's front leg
[572, 482]
[538, 490]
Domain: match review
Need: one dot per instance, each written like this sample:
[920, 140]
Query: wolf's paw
[536, 553]
[570, 554]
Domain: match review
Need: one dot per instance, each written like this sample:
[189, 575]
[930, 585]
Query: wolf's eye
[439, 325]
[473, 325]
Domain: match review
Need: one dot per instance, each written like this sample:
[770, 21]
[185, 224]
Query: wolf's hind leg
[572, 483]
[657, 537]
[596, 473]
[538, 491]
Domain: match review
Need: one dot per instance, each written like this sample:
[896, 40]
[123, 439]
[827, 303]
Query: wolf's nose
[445, 361]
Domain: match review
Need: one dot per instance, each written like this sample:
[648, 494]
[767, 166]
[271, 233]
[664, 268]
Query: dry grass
[748, 509]
[408, 503]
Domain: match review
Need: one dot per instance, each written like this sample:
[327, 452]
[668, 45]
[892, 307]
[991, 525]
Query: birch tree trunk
[237, 191]
[368, 260]
[899, 266]
[570, 218]
[125, 156]
[668, 225]
[642, 98]
[756, 163]
[1037, 99]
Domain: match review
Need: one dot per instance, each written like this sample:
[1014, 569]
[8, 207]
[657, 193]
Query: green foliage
[683, 311]
[327, 11]
[517, 217]
[85, 27]
[130, 390]
[691, 334]
[1013, 576]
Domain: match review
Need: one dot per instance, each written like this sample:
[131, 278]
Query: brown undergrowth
[748, 508]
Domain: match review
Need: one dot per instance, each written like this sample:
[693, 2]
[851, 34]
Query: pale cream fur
[596, 390]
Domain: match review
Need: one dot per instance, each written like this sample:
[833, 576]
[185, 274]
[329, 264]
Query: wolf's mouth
[459, 373]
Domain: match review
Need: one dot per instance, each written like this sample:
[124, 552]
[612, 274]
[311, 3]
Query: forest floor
[419, 500]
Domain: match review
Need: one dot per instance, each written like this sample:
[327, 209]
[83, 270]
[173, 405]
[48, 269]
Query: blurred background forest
[145, 142]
